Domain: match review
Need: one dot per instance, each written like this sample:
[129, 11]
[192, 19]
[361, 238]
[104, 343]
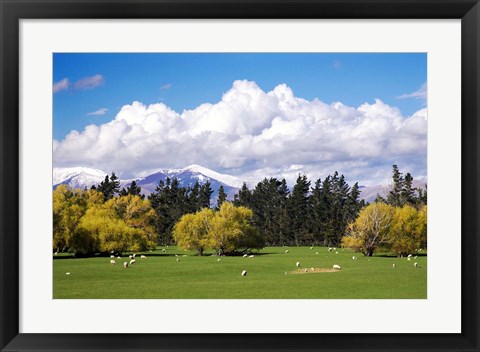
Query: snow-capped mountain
[77, 177]
[81, 177]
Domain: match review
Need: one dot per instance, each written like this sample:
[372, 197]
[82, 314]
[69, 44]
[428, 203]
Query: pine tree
[407, 194]
[222, 197]
[133, 190]
[244, 197]
[205, 194]
[394, 196]
[298, 211]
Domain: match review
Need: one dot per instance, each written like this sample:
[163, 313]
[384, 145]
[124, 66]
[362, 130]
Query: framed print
[228, 175]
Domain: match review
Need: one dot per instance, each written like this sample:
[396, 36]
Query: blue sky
[91, 89]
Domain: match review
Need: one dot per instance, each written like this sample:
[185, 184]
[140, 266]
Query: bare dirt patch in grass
[315, 270]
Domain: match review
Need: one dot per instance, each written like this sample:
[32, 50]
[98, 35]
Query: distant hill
[82, 177]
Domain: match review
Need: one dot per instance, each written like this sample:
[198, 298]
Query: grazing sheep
[176, 255]
[130, 256]
[337, 267]
[134, 255]
[311, 247]
[409, 256]
[297, 264]
[415, 257]
[251, 256]
[330, 249]
[164, 250]
[218, 259]
[184, 255]
[286, 251]
[244, 273]
[415, 265]
[55, 253]
[316, 252]
[245, 255]
[67, 273]
[409, 259]
[143, 257]
[178, 259]
[336, 252]
[112, 256]
[305, 270]
[334, 248]
[119, 257]
[132, 261]
[394, 265]
[420, 250]
[312, 269]
[125, 265]
[112, 262]
[354, 258]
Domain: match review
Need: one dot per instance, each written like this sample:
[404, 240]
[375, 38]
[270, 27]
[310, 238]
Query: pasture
[271, 274]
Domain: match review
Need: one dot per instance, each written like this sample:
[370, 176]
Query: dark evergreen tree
[193, 198]
[133, 190]
[243, 197]
[206, 192]
[110, 186]
[298, 211]
[395, 194]
[222, 196]
[408, 195]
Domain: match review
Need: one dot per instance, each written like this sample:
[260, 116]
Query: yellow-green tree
[69, 206]
[371, 228]
[226, 231]
[84, 224]
[191, 231]
[407, 230]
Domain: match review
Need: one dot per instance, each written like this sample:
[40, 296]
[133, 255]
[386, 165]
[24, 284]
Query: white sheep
[112, 262]
[184, 255]
[297, 264]
[67, 273]
[316, 252]
[394, 265]
[125, 265]
[312, 269]
[178, 259]
[132, 261]
[56, 253]
[130, 256]
[245, 255]
[143, 257]
[176, 255]
[286, 251]
[305, 270]
[337, 267]
[251, 256]
[330, 249]
[311, 247]
[164, 250]
[244, 273]
[134, 255]
[409, 259]
[218, 259]
[409, 256]
[119, 257]
[415, 265]
[336, 252]
[112, 256]
[334, 248]
[354, 258]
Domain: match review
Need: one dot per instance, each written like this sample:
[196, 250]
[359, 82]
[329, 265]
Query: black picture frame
[11, 11]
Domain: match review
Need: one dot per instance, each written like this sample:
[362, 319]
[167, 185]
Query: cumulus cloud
[254, 134]
[98, 112]
[420, 93]
[63, 84]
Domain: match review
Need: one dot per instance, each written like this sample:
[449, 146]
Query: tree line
[320, 214]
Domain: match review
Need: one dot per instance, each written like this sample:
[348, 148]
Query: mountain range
[82, 177]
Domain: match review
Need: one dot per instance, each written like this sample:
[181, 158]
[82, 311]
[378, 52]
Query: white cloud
[420, 94]
[166, 86]
[98, 112]
[63, 84]
[89, 82]
[253, 134]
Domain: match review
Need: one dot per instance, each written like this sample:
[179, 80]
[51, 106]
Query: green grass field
[161, 276]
